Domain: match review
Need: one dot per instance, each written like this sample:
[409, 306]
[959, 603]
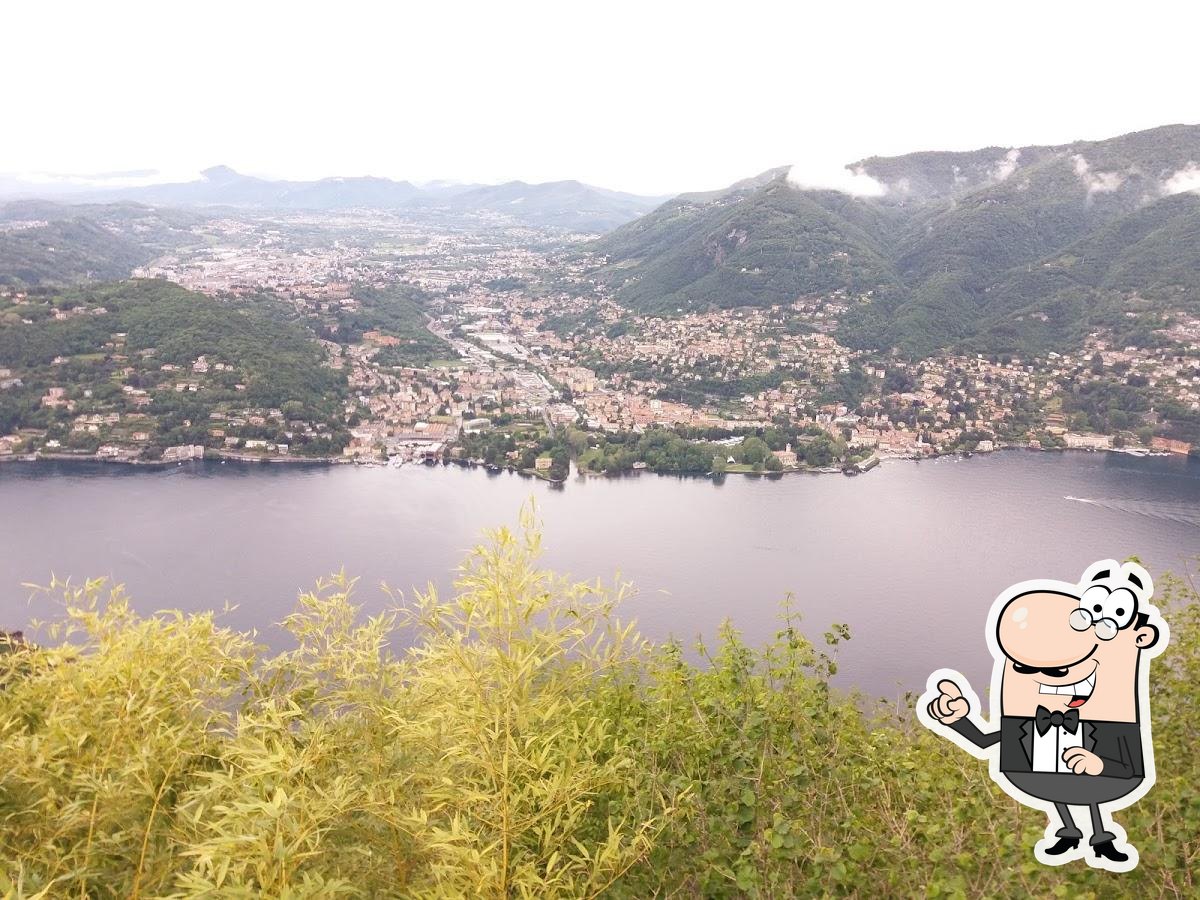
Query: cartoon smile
[1079, 692]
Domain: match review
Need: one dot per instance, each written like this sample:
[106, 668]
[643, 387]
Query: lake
[910, 555]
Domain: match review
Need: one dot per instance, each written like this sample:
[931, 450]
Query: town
[486, 342]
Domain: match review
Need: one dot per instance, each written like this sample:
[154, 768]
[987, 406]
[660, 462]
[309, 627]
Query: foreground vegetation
[526, 743]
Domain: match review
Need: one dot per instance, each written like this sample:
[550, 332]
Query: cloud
[1006, 165]
[1096, 182]
[853, 181]
[1186, 179]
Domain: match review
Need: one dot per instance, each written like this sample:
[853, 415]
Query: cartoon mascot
[1072, 677]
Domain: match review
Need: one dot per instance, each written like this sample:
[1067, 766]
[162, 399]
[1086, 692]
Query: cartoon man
[1072, 674]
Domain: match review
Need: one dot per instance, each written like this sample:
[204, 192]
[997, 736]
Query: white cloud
[1006, 165]
[1096, 182]
[1186, 179]
[855, 182]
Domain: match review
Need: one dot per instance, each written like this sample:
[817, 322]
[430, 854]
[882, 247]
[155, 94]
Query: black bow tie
[1045, 720]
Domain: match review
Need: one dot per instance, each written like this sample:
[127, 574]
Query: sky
[650, 97]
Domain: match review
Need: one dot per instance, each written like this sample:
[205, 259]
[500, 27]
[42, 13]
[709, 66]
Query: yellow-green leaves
[526, 743]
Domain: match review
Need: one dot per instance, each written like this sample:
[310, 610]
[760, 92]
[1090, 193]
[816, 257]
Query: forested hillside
[48, 243]
[395, 311]
[999, 249]
[67, 251]
[768, 241]
[525, 744]
[132, 349]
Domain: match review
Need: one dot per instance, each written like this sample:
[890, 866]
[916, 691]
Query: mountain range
[570, 205]
[1002, 249]
[999, 249]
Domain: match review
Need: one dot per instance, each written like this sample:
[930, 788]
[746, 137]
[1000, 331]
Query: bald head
[1035, 630]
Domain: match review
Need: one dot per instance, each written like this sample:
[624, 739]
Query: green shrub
[525, 744]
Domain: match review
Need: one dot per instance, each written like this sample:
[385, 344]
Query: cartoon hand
[950, 705]
[1083, 762]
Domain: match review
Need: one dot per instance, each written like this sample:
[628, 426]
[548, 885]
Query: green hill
[67, 251]
[1148, 260]
[49, 243]
[274, 357]
[958, 246]
[750, 246]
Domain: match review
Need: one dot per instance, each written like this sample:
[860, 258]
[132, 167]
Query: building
[786, 456]
[1088, 441]
[183, 452]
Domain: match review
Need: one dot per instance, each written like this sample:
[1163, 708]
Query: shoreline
[213, 456]
[226, 456]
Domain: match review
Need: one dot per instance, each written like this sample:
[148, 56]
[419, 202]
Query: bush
[526, 744]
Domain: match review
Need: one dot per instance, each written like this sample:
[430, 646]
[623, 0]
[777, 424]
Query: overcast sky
[648, 96]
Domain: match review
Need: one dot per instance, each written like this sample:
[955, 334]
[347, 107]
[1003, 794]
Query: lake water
[910, 555]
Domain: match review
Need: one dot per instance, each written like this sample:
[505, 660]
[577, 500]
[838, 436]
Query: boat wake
[1183, 513]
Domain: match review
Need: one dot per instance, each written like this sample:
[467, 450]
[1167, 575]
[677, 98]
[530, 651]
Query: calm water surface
[910, 555]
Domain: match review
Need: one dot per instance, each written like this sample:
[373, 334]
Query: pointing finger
[949, 688]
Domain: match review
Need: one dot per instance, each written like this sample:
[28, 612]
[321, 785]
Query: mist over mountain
[998, 249]
[570, 205]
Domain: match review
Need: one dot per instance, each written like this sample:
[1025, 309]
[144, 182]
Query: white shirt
[1048, 748]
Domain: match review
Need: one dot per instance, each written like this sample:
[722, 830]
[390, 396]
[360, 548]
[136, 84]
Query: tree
[577, 440]
[754, 451]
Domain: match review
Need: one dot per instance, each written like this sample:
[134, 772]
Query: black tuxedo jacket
[1119, 744]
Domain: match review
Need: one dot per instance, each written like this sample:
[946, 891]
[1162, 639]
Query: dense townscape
[377, 338]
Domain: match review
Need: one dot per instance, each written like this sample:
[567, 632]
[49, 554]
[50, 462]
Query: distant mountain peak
[220, 174]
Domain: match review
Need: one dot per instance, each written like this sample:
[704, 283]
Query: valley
[762, 329]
